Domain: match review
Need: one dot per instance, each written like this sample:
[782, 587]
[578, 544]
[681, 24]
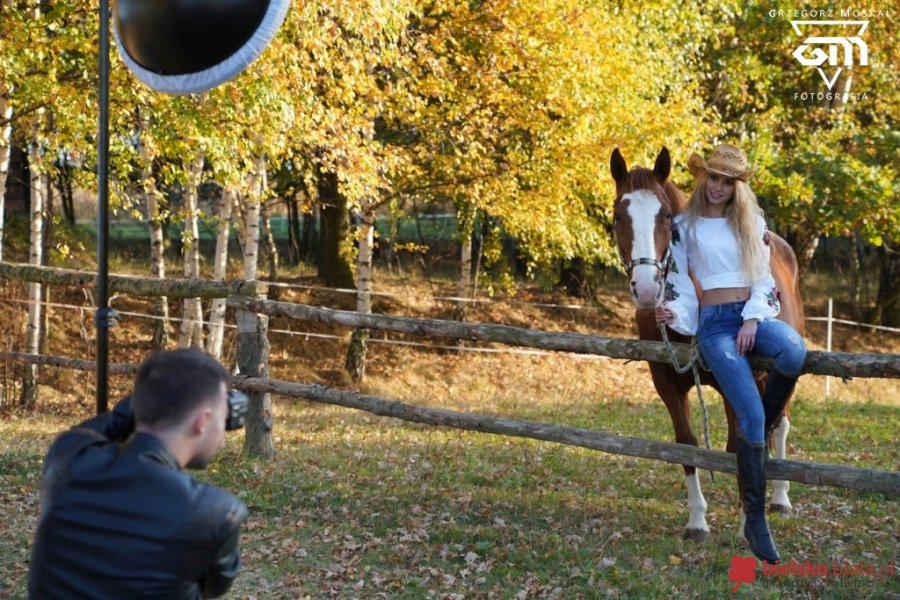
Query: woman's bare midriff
[724, 296]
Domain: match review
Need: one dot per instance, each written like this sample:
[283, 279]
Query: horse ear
[663, 165]
[617, 167]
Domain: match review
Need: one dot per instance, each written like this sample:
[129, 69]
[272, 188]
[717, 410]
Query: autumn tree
[822, 155]
[510, 109]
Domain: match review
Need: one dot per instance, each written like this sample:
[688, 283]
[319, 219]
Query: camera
[237, 410]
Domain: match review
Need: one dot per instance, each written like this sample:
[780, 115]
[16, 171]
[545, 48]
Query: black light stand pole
[102, 316]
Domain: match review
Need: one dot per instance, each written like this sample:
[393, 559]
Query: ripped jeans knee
[784, 344]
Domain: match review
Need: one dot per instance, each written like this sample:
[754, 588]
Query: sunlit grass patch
[379, 506]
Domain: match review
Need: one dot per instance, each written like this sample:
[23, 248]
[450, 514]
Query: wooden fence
[252, 310]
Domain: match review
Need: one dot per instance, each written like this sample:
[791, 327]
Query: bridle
[661, 265]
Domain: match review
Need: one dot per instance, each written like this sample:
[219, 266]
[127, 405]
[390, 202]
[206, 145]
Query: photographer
[119, 517]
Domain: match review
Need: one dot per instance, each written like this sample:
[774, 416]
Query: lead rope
[692, 364]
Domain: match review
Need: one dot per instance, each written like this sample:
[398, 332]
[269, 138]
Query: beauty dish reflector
[190, 46]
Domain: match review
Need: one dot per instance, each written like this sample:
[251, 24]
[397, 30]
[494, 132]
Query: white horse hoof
[784, 510]
[695, 535]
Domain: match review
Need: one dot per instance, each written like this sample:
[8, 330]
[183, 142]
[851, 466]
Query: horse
[646, 201]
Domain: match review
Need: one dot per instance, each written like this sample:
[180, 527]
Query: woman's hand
[664, 315]
[746, 337]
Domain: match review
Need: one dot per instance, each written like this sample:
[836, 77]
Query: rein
[693, 363]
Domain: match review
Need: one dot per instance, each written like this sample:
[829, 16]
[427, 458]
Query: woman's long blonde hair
[741, 213]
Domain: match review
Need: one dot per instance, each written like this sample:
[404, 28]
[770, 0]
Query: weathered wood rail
[841, 364]
[137, 286]
[245, 297]
[853, 478]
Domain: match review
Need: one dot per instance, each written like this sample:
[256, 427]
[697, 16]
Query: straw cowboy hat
[726, 159]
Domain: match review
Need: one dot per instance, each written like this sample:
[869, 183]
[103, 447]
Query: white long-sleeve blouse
[711, 251]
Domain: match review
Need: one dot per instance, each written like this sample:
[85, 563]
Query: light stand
[103, 316]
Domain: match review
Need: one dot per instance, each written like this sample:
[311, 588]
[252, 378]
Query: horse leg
[784, 344]
[780, 502]
[676, 402]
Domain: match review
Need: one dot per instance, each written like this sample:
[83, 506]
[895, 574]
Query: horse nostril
[633, 283]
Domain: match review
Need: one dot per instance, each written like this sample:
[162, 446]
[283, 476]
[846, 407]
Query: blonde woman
[721, 237]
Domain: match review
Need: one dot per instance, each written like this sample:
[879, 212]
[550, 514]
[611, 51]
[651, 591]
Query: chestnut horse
[645, 204]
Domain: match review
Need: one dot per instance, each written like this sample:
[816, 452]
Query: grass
[355, 506]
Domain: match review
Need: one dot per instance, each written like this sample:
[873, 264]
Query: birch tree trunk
[33, 327]
[239, 215]
[46, 240]
[252, 336]
[192, 317]
[220, 268]
[157, 239]
[251, 238]
[466, 218]
[855, 275]
[6, 111]
[356, 353]
[270, 250]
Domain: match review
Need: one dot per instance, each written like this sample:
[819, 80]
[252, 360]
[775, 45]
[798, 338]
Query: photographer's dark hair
[169, 385]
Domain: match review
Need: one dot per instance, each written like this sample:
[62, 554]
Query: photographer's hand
[116, 424]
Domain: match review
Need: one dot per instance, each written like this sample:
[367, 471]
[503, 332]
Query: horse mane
[640, 178]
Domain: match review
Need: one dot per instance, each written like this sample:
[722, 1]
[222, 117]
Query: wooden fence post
[253, 361]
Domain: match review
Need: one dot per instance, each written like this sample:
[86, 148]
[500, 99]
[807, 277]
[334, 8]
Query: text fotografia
[830, 96]
[841, 13]
[831, 569]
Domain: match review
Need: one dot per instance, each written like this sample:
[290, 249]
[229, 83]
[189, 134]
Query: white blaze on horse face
[646, 280]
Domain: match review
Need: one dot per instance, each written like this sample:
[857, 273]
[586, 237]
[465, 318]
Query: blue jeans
[717, 340]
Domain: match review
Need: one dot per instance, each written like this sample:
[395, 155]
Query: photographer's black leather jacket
[122, 521]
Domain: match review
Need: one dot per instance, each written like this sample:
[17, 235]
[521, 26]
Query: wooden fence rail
[252, 349]
[853, 478]
[841, 364]
[137, 286]
[241, 294]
